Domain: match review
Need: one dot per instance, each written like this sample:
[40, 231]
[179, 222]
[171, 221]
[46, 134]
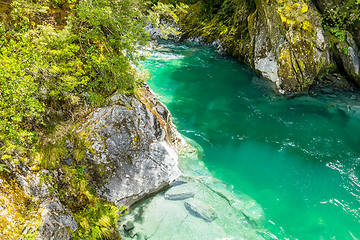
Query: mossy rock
[18, 213]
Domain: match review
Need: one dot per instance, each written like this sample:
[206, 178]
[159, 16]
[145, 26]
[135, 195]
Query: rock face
[56, 220]
[283, 40]
[131, 148]
[290, 46]
[348, 55]
[165, 30]
[345, 43]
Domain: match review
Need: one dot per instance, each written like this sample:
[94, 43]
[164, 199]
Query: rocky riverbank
[131, 154]
[295, 44]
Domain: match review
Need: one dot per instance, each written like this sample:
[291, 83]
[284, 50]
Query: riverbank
[294, 44]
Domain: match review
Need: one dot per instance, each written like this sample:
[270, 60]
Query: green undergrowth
[338, 20]
[48, 74]
[59, 60]
[341, 16]
[52, 73]
[69, 182]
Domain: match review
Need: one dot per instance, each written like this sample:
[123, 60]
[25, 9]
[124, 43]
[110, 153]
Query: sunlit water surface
[298, 157]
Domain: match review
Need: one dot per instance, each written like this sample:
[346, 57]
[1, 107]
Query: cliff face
[284, 40]
[346, 42]
[296, 47]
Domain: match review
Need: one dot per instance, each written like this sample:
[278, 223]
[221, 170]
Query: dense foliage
[47, 69]
[58, 59]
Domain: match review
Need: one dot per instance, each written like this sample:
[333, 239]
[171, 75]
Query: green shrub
[52, 73]
[21, 111]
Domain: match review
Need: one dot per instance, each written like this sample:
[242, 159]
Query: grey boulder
[131, 148]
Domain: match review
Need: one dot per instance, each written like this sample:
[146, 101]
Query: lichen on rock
[295, 41]
[14, 215]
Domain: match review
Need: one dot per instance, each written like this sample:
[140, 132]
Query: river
[296, 156]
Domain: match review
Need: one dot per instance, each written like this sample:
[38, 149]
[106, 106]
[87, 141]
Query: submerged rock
[200, 210]
[179, 193]
[252, 210]
[128, 226]
[131, 148]
[208, 214]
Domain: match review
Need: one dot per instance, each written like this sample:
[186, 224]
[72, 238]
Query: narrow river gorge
[297, 157]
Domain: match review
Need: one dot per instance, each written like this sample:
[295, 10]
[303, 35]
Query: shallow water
[298, 157]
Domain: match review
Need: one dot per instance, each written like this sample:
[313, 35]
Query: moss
[229, 25]
[285, 70]
[297, 15]
[306, 26]
[5, 10]
[251, 23]
[16, 209]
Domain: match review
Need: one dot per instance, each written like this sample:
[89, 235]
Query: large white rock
[131, 153]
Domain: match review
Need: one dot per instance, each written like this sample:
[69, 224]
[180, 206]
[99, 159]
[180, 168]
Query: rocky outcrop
[165, 30]
[131, 148]
[347, 53]
[344, 35]
[290, 46]
[283, 40]
[131, 154]
[57, 222]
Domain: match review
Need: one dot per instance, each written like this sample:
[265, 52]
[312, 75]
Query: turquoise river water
[298, 157]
